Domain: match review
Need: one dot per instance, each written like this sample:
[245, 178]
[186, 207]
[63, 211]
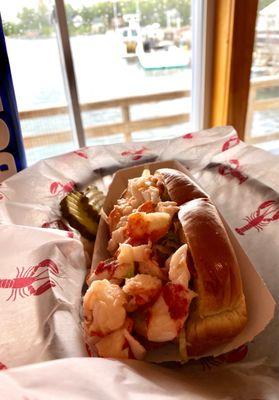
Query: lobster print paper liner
[260, 304]
[40, 290]
[242, 180]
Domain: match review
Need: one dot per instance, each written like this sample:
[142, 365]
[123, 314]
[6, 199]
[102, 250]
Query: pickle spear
[93, 201]
[82, 210]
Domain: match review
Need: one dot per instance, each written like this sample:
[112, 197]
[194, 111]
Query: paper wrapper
[41, 278]
[259, 302]
[43, 323]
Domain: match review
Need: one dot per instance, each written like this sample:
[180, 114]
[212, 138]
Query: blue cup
[12, 154]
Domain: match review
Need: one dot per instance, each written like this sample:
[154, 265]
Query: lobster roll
[172, 276]
[218, 312]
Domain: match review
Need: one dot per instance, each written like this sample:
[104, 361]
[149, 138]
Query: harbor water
[102, 73]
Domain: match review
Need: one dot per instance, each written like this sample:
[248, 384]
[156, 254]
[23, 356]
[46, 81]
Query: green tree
[45, 27]
[151, 11]
[11, 29]
[38, 21]
[28, 20]
[71, 13]
[154, 11]
[264, 3]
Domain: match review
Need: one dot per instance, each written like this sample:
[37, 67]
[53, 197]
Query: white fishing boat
[167, 56]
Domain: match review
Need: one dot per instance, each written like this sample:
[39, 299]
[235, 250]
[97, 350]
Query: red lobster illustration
[26, 278]
[58, 187]
[58, 224]
[2, 195]
[233, 356]
[188, 136]
[231, 142]
[81, 152]
[2, 366]
[233, 170]
[136, 154]
[268, 211]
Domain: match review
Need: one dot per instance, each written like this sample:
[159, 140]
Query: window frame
[202, 53]
[203, 18]
[68, 73]
[234, 33]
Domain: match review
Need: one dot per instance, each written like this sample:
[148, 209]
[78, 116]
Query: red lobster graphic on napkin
[25, 282]
[135, 154]
[58, 187]
[231, 142]
[233, 170]
[188, 136]
[233, 356]
[58, 224]
[267, 212]
[3, 366]
[2, 195]
[81, 152]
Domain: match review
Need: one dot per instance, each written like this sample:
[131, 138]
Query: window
[133, 68]
[37, 76]
[134, 74]
[262, 124]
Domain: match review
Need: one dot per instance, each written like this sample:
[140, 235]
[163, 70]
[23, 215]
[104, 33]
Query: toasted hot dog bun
[180, 187]
[218, 313]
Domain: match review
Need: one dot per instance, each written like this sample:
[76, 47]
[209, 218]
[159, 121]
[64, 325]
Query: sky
[10, 8]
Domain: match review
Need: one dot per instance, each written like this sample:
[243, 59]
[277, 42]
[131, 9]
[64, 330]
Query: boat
[167, 55]
[130, 36]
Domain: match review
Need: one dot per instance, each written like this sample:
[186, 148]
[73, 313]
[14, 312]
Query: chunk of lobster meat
[151, 194]
[114, 218]
[120, 344]
[169, 207]
[142, 189]
[113, 345]
[121, 222]
[160, 326]
[137, 350]
[118, 236]
[104, 308]
[135, 187]
[147, 207]
[129, 254]
[178, 300]
[151, 267]
[125, 206]
[139, 190]
[169, 313]
[178, 271]
[141, 290]
[112, 269]
[143, 226]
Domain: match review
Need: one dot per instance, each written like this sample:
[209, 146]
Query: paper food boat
[260, 304]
